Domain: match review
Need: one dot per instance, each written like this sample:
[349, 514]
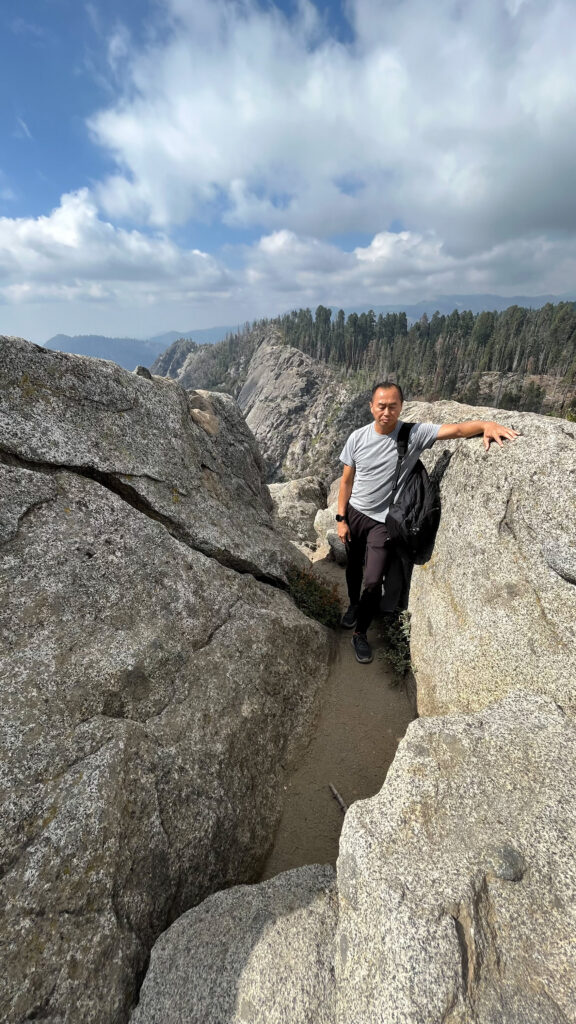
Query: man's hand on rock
[496, 432]
[343, 531]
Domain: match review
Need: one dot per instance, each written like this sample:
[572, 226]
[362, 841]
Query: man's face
[385, 408]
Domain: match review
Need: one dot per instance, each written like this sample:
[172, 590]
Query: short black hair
[386, 384]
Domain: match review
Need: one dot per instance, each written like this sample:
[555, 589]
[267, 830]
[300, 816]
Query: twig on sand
[343, 807]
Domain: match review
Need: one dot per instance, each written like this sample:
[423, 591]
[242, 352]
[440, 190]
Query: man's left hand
[496, 432]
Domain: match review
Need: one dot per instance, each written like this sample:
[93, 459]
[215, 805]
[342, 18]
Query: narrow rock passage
[362, 719]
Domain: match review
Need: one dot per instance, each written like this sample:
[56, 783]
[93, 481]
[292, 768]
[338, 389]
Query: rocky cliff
[298, 409]
[155, 677]
[495, 608]
[453, 901]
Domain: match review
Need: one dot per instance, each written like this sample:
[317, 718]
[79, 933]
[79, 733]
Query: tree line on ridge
[517, 359]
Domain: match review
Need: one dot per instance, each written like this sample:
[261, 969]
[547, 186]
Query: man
[369, 457]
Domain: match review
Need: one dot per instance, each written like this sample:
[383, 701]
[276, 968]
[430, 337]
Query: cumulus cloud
[305, 271]
[75, 257]
[441, 133]
[73, 254]
[452, 119]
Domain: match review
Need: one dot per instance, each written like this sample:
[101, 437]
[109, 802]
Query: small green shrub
[395, 633]
[313, 597]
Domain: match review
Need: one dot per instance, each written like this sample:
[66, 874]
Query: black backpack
[413, 519]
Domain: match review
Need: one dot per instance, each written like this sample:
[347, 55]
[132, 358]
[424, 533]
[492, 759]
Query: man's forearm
[472, 428]
[344, 497]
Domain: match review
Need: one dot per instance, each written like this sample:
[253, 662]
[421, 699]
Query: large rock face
[457, 884]
[456, 897]
[299, 411]
[170, 362]
[261, 954]
[186, 459]
[495, 608]
[150, 693]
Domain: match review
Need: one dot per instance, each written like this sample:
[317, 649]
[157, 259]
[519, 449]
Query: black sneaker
[348, 620]
[362, 648]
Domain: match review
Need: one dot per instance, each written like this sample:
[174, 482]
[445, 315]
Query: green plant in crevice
[313, 597]
[395, 633]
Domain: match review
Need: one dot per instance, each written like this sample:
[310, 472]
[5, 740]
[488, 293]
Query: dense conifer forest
[449, 356]
[517, 359]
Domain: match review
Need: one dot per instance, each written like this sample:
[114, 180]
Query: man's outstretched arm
[473, 428]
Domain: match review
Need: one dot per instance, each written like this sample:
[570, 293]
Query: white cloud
[74, 254]
[21, 27]
[452, 120]
[22, 131]
[73, 258]
[454, 117]
[305, 271]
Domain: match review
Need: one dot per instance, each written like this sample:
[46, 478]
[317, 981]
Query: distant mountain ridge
[131, 352]
[202, 335]
[446, 304]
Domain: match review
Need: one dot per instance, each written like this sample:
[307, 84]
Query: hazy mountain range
[131, 352]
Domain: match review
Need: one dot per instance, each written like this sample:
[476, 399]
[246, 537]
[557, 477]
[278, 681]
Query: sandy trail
[362, 719]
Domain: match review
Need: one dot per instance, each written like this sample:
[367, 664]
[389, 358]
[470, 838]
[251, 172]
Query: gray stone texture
[170, 362]
[151, 696]
[326, 532]
[334, 489]
[187, 458]
[495, 607]
[457, 882]
[456, 897]
[296, 503]
[259, 954]
[299, 411]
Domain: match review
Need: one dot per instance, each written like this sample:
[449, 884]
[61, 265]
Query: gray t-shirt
[374, 458]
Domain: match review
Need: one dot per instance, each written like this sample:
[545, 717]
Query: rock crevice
[128, 493]
[447, 889]
[142, 736]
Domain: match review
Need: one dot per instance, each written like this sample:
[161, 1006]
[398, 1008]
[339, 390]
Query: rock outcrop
[326, 532]
[296, 504]
[261, 954]
[457, 885]
[185, 459]
[495, 608]
[299, 411]
[170, 362]
[220, 367]
[456, 896]
[151, 694]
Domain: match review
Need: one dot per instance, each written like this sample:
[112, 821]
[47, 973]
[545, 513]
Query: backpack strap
[402, 442]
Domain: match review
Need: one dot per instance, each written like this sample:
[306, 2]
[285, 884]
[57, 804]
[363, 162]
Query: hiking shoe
[348, 620]
[362, 648]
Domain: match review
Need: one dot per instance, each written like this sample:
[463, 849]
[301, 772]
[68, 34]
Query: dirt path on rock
[362, 719]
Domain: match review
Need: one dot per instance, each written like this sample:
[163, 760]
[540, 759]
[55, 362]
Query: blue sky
[170, 164]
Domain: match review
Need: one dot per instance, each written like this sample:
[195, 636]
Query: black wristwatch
[340, 519]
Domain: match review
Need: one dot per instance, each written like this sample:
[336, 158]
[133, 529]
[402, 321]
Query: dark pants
[369, 552]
